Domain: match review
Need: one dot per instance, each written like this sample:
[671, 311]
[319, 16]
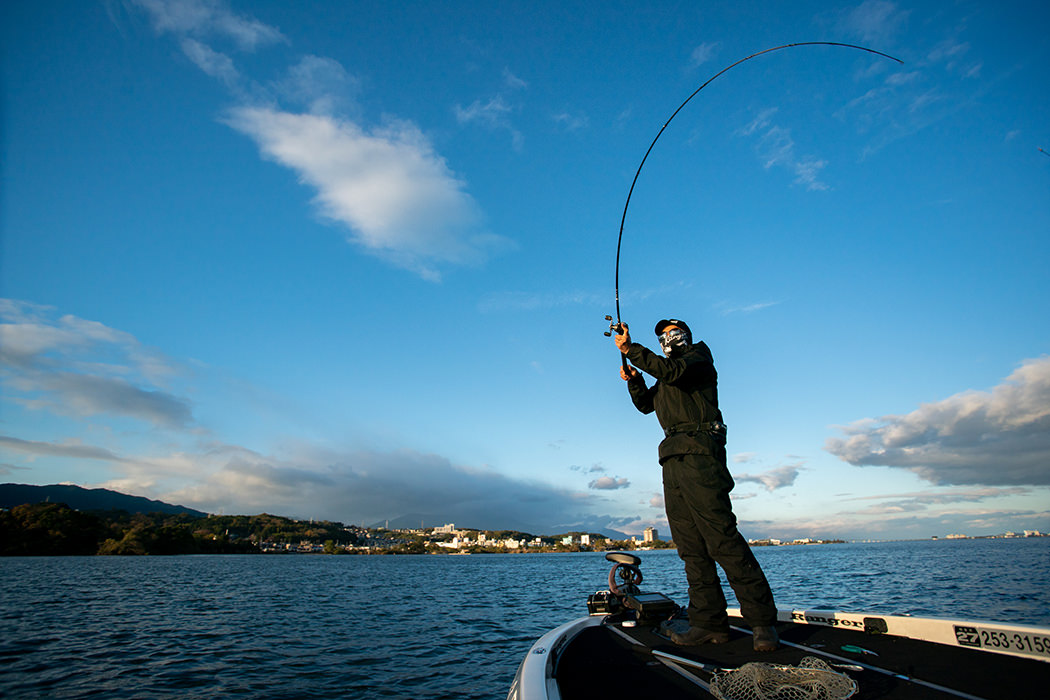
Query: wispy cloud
[209, 19]
[213, 63]
[996, 437]
[501, 302]
[492, 114]
[922, 501]
[703, 53]
[67, 450]
[512, 81]
[938, 78]
[320, 85]
[775, 147]
[571, 122]
[72, 366]
[875, 21]
[729, 308]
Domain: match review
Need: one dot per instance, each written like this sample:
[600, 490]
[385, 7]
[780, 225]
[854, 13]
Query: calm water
[414, 626]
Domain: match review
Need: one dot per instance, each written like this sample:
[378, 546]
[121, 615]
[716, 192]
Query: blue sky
[350, 260]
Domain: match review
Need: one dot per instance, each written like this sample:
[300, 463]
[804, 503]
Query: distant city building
[445, 529]
[585, 540]
[650, 535]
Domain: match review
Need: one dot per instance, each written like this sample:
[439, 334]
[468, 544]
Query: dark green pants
[703, 526]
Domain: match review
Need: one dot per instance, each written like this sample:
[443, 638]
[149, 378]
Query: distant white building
[585, 540]
[650, 535]
[445, 529]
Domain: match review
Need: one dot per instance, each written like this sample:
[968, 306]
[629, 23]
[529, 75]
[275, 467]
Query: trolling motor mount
[625, 568]
[624, 579]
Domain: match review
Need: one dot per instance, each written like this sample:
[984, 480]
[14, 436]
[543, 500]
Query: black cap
[672, 322]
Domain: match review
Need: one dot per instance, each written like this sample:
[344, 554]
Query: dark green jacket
[684, 396]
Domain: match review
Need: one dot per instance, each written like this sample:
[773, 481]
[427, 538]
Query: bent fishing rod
[618, 325]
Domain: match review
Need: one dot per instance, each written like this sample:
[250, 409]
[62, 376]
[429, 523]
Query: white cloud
[996, 437]
[774, 478]
[387, 184]
[398, 197]
[608, 483]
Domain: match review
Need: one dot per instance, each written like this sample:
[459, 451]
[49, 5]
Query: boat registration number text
[1005, 640]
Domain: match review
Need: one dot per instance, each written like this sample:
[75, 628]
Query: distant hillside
[79, 498]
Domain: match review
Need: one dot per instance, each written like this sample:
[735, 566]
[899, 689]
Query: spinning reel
[613, 327]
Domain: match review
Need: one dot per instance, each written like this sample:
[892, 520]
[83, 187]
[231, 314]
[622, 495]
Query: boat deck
[610, 660]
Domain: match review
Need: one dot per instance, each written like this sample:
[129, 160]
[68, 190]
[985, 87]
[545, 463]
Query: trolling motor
[624, 579]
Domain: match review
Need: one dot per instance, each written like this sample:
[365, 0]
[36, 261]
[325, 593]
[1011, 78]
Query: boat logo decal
[829, 621]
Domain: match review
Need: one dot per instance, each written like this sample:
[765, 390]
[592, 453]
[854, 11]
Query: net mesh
[812, 679]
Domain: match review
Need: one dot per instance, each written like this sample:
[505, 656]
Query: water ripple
[413, 626]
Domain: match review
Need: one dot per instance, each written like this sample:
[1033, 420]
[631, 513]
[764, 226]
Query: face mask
[674, 341]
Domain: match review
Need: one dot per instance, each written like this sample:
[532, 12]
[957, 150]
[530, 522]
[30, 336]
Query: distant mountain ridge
[80, 498]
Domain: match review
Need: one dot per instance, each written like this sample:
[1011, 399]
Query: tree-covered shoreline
[55, 529]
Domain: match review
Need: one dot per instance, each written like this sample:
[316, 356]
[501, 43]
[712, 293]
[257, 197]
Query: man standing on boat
[697, 484]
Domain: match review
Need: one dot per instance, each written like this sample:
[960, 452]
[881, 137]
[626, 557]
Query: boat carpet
[619, 660]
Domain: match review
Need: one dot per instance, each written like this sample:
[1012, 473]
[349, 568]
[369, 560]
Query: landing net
[812, 679]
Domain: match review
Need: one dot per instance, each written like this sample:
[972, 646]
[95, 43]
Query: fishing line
[623, 219]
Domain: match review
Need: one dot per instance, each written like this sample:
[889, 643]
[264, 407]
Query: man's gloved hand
[623, 340]
[628, 373]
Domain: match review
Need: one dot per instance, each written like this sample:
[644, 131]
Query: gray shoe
[696, 636]
[765, 638]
